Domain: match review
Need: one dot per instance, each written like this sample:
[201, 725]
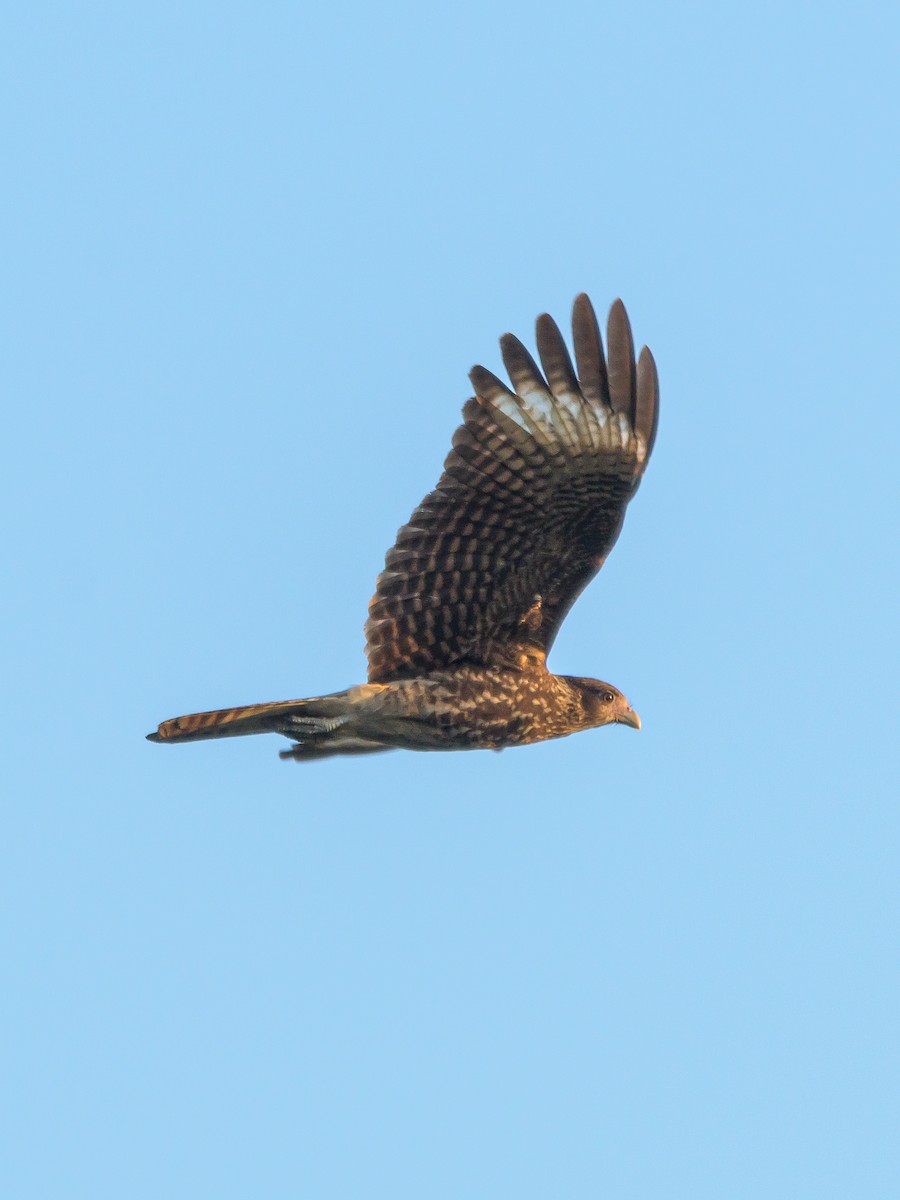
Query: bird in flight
[480, 579]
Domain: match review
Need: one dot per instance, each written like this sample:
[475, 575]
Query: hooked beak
[629, 717]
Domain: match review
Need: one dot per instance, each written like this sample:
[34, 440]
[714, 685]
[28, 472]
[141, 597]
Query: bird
[531, 501]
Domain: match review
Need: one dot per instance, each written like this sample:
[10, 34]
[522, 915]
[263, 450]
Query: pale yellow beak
[629, 717]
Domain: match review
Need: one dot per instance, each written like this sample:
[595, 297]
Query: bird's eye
[608, 697]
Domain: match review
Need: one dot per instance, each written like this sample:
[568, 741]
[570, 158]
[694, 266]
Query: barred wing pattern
[530, 503]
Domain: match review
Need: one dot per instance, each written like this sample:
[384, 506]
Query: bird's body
[530, 503]
[461, 708]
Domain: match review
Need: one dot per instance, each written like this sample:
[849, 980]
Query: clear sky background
[250, 253]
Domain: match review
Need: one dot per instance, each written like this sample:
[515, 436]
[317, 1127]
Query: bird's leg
[303, 727]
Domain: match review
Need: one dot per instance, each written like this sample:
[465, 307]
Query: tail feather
[319, 714]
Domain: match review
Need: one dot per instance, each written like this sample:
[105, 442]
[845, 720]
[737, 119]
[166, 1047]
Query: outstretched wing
[530, 503]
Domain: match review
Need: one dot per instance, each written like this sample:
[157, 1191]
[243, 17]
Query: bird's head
[604, 704]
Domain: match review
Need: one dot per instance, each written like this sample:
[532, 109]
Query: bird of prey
[474, 590]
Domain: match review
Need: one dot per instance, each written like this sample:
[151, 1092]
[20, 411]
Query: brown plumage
[474, 590]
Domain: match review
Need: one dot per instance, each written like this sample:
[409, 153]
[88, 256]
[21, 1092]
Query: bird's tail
[315, 718]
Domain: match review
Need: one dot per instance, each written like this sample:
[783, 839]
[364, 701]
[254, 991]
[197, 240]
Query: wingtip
[523, 371]
[545, 330]
[590, 360]
[554, 356]
[647, 363]
[647, 406]
[486, 383]
[620, 360]
[582, 303]
[618, 320]
[154, 736]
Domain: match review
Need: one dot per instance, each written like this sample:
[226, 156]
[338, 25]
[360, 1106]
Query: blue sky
[250, 254]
